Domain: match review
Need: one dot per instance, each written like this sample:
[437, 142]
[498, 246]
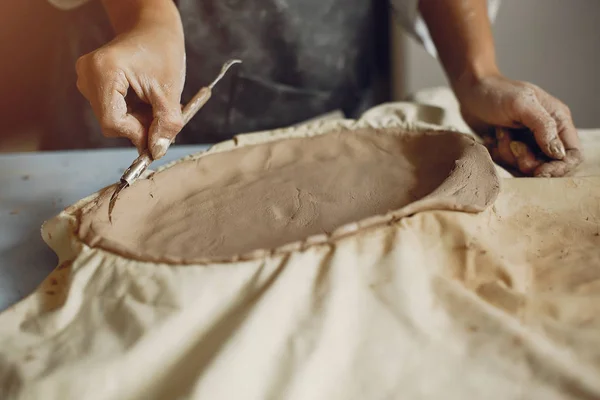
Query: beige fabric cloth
[503, 304]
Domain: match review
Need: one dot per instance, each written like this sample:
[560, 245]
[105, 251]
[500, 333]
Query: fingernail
[160, 148]
[518, 148]
[500, 133]
[557, 149]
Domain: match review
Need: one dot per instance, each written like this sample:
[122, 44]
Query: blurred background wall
[552, 43]
[30, 31]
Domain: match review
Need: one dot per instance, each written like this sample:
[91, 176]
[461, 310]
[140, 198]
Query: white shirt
[406, 11]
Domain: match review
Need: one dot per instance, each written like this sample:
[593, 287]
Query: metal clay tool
[141, 164]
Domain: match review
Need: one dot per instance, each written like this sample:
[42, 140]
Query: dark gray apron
[301, 58]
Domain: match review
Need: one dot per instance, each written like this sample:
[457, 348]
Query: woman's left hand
[497, 108]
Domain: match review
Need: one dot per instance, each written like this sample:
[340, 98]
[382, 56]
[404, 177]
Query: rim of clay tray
[60, 232]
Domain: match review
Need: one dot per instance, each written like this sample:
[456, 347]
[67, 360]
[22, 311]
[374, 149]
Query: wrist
[471, 74]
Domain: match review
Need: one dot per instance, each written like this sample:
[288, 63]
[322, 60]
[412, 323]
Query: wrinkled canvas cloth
[503, 304]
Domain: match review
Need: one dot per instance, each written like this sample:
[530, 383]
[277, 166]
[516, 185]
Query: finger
[115, 121]
[568, 134]
[534, 116]
[504, 139]
[166, 124]
[490, 141]
[82, 69]
[560, 168]
[496, 155]
[491, 144]
[105, 89]
[564, 121]
[526, 160]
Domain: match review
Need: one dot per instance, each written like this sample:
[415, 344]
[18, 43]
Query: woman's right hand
[134, 82]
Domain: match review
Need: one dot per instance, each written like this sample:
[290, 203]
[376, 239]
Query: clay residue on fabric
[267, 195]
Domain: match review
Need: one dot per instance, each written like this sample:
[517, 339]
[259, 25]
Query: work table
[35, 187]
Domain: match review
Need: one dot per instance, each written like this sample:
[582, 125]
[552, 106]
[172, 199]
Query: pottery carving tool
[141, 164]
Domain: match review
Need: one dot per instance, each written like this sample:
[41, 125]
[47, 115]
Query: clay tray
[60, 233]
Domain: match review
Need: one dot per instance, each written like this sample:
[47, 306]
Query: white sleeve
[67, 4]
[407, 13]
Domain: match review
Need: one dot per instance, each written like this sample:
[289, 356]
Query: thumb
[166, 124]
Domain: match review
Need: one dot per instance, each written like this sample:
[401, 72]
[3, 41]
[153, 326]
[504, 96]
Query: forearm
[126, 15]
[463, 37]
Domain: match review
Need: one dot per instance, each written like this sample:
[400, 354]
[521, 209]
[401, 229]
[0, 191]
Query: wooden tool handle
[195, 104]
[140, 164]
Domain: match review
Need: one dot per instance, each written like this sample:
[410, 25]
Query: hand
[497, 102]
[134, 86]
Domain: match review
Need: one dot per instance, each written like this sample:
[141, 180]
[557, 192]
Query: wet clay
[267, 195]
